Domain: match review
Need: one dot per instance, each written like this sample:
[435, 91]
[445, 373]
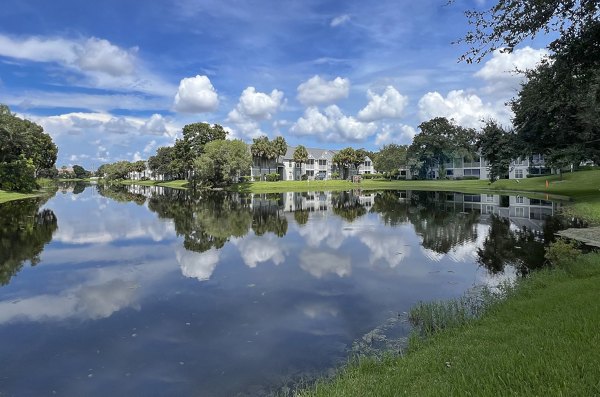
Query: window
[403, 172]
[472, 172]
[519, 174]
[472, 198]
[490, 198]
[489, 209]
[520, 212]
[367, 172]
[322, 162]
[519, 161]
[290, 163]
[310, 173]
[449, 172]
[519, 200]
[310, 162]
[367, 163]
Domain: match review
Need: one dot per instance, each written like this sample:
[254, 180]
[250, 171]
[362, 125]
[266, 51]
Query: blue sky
[113, 80]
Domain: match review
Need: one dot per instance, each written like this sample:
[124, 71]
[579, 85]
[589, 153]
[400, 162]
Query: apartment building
[477, 167]
[320, 165]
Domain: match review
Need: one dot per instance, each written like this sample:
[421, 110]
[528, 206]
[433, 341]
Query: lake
[151, 291]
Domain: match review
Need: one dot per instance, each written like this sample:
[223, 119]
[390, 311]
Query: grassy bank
[10, 196]
[582, 187]
[541, 340]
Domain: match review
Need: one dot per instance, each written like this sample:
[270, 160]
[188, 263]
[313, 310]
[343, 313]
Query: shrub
[335, 175]
[272, 177]
[245, 178]
[304, 177]
[18, 175]
[561, 251]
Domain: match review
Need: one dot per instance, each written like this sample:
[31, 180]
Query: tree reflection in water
[522, 248]
[24, 231]
[347, 205]
[209, 219]
[441, 230]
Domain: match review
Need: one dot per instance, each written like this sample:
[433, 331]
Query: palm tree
[300, 155]
[259, 149]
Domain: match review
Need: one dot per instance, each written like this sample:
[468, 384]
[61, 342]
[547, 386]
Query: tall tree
[195, 137]
[439, 142]
[80, 172]
[498, 147]
[558, 104]
[280, 146]
[260, 151]
[222, 162]
[390, 158]
[360, 155]
[23, 139]
[300, 155]
[160, 164]
[344, 159]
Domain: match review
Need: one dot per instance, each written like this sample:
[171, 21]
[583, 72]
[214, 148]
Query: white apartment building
[478, 168]
[320, 165]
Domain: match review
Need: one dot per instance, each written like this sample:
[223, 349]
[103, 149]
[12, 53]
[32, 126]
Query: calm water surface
[139, 291]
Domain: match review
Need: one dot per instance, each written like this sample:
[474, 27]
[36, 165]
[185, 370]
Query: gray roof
[313, 153]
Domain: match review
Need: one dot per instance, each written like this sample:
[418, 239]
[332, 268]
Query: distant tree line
[203, 156]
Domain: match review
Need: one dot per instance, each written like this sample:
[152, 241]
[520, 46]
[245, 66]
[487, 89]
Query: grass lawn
[542, 340]
[10, 196]
[583, 187]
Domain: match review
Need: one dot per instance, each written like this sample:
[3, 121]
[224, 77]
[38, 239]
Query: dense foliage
[390, 159]
[439, 142]
[222, 163]
[25, 152]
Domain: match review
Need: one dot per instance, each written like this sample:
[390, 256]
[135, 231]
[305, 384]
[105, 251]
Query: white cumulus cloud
[332, 125]
[468, 110]
[196, 95]
[318, 91]
[101, 56]
[504, 72]
[505, 65]
[401, 134]
[253, 107]
[390, 104]
[259, 105]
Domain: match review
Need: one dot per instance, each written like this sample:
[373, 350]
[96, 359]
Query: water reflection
[24, 231]
[485, 226]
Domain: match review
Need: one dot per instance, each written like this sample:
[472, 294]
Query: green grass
[10, 196]
[541, 340]
[582, 187]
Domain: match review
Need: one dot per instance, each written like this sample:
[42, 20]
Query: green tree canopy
[390, 158]
[438, 142]
[80, 172]
[498, 147]
[557, 106]
[345, 159]
[222, 163]
[300, 155]
[24, 150]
